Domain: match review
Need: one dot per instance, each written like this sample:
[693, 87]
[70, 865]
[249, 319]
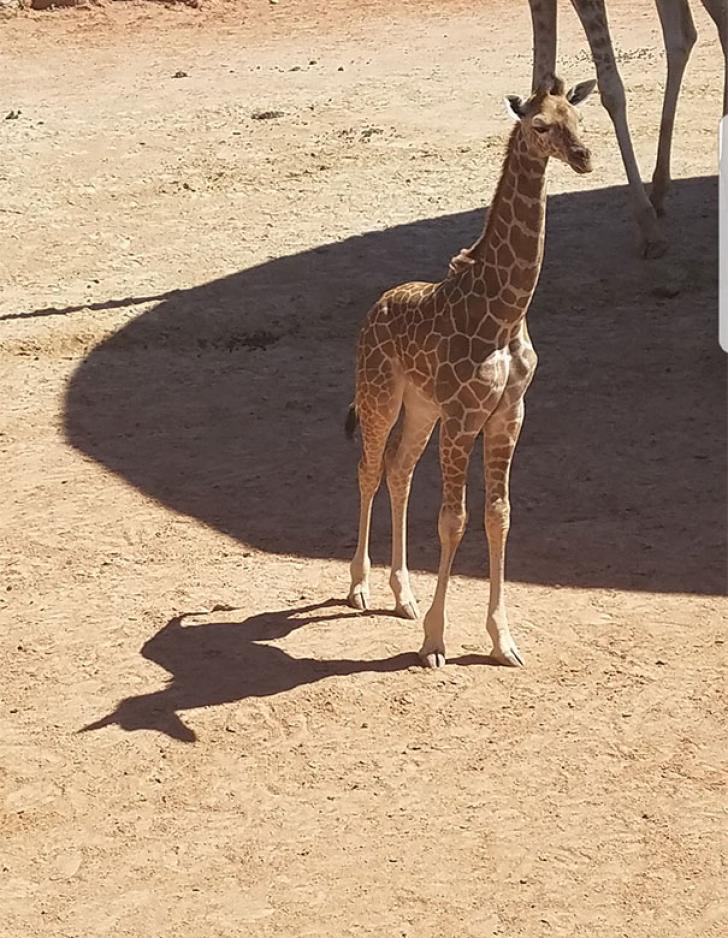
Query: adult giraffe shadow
[222, 662]
[226, 401]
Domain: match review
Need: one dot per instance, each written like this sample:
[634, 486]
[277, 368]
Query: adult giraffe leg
[594, 20]
[679, 35]
[455, 448]
[500, 437]
[400, 461]
[543, 21]
[718, 12]
[376, 419]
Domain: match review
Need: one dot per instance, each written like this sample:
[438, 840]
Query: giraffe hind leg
[377, 406]
[401, 457]
[679, 35]
[594, 20]
[718, 12]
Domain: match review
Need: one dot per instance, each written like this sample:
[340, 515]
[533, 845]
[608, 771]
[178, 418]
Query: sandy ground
[181, 288]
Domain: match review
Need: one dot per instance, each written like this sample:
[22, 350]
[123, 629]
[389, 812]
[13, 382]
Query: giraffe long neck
[509, 253]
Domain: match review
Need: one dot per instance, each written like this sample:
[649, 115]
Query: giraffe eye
[541, 128]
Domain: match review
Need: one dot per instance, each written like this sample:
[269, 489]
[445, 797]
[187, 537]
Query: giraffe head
[550, 122]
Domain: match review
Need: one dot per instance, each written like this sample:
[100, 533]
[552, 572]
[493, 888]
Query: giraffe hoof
[509, 657]
[407, 610]
[654, 248]
[433, 660]
[358, 599]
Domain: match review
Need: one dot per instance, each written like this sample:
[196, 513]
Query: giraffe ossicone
[459, 352]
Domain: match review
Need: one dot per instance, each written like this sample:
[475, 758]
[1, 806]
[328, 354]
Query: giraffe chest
[474, 382]
[479, 382]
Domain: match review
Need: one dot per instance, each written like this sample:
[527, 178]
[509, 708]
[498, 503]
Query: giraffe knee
[370, 477]
[398, 482]
[679, 42]
[497, 513]
[391, 453]
[394, 470]
[451, 524]
[612, 96]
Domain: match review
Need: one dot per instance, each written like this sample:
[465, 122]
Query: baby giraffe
[459, 352]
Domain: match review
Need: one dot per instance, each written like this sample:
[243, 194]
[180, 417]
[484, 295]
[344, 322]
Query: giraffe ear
[580, 92]
[514, 106]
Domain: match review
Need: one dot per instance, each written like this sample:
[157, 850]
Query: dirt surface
[183, 276]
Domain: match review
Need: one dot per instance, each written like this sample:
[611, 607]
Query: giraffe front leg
[455, 448]
[450, 527]
[499, 443]
[543, 21]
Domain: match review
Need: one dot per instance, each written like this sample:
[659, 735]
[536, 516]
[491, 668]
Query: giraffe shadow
[226, 401]
[219, 662]
[213, 663]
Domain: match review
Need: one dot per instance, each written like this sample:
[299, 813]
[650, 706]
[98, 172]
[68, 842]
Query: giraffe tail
[351, 421]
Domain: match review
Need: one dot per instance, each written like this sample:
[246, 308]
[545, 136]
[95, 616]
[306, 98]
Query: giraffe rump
[352, 421]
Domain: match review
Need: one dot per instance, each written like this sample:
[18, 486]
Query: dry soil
[197, 738]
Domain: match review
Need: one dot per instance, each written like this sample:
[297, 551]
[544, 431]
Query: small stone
[67, 865]
[180, 75]
[666, 291]
[266, 115]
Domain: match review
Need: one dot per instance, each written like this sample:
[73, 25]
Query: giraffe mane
[497, 195]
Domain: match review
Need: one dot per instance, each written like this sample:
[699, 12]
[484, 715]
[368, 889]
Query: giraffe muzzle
[580, 160]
